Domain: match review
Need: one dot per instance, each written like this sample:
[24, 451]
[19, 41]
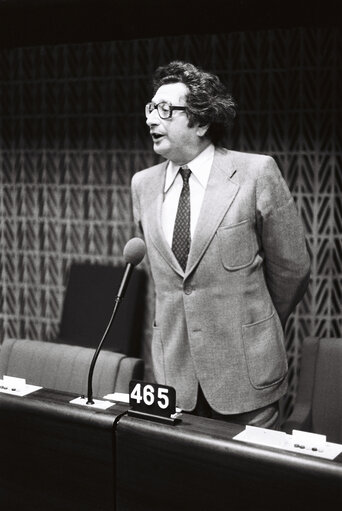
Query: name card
[16, 386]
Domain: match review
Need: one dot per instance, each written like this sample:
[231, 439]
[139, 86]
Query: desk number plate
[153, 400]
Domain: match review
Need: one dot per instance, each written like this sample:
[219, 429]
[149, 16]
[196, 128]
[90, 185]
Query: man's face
[172, 138]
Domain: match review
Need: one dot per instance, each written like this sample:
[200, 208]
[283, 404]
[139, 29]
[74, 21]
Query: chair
[65, 368]
[88, 303]
[318, 405]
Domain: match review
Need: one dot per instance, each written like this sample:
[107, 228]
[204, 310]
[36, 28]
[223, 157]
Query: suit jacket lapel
[218, 197]
[155, 199]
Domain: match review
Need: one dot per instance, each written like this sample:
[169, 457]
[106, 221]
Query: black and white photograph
[170, 255]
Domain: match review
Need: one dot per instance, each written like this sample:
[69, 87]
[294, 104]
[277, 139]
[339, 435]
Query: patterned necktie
[181, 232]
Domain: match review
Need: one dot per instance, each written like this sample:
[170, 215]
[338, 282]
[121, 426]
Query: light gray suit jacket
[219, 323]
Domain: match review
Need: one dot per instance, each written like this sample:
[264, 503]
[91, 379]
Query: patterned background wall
[73, 133]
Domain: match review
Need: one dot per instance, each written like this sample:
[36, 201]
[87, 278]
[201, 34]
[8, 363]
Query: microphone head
[134, 251]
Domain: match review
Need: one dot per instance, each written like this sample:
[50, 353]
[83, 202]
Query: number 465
[147, 395]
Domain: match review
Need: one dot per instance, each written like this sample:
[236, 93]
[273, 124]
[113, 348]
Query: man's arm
[136, 209]
[287, 261]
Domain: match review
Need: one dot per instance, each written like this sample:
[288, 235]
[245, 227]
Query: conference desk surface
[56, 455]
[196, 465]
[61, 457]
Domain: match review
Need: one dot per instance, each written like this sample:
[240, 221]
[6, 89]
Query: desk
[56, 456]
[196, 465]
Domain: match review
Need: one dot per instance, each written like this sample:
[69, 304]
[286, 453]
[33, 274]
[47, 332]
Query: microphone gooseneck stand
[120, 295]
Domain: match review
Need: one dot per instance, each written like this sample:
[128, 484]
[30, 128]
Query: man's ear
[202, 130]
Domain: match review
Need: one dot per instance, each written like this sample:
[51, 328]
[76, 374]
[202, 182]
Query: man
[227, 254]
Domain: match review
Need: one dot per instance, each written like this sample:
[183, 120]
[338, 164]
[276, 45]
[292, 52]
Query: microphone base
[98, 404]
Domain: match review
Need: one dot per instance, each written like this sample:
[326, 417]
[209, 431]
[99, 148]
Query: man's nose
[153, 118]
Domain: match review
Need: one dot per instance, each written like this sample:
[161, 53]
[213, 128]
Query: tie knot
[185, 173]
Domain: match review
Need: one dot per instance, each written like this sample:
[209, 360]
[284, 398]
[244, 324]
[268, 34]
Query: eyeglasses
[164, 109]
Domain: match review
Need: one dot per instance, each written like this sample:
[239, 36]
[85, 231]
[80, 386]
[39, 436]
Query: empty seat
[89, 300]
[65, 368]
[318, 405]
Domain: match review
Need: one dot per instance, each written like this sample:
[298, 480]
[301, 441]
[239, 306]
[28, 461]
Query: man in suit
[227, 254]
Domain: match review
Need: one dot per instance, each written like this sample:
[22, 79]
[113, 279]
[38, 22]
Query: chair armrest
[301, 416]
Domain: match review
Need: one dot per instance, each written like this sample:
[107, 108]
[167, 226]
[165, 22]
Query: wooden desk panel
[197, 466]
[54, 455]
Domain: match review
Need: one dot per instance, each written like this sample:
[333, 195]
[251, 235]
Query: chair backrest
[65, 368]
[327, 393]
[318, 404]
[88, 304]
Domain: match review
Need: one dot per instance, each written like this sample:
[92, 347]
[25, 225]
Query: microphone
[133, 252]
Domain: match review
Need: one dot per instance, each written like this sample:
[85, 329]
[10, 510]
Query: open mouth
[156, 136]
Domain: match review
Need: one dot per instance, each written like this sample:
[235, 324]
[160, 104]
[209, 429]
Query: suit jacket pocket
[238, 245]
[265, 352]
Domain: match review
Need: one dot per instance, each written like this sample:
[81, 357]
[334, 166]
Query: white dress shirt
[200, 170]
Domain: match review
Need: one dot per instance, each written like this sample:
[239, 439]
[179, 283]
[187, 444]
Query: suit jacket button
[188, 289]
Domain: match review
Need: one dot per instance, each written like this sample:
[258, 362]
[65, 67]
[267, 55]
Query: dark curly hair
[208, 101]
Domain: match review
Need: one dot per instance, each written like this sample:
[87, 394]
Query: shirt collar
[200, 167]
